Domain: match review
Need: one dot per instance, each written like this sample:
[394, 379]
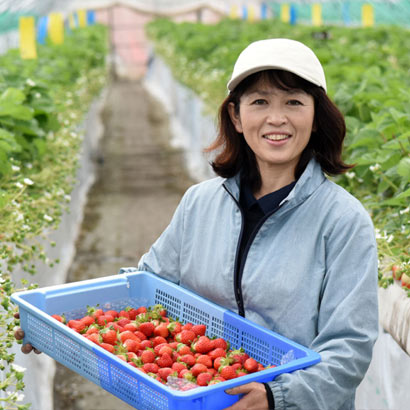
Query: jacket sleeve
[163, 258]
[347, 325]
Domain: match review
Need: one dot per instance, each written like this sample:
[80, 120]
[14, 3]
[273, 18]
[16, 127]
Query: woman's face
[276, 125]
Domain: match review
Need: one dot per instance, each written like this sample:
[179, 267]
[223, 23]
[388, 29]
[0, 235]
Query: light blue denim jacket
[310, 275]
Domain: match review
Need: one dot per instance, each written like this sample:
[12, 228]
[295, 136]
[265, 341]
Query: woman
[272, 238]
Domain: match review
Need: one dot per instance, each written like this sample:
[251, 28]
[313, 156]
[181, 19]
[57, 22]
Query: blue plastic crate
[129, 384]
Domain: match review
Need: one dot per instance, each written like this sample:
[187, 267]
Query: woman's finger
[254, 397]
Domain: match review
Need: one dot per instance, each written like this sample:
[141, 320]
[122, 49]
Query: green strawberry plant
[367, 75]
[42, 103]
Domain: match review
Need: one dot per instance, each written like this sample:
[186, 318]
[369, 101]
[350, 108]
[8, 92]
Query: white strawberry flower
[17, 368]
[47, 217]
[28, 181]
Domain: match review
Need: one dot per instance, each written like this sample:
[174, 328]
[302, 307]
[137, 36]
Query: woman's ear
[235, 117]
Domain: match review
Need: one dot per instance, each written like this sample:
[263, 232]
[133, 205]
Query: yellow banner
[234, 12]
[251, 13]
[56, 28]
[285, 13]
[82, 18]
[317, 15]
[367, 15]
[27, 31]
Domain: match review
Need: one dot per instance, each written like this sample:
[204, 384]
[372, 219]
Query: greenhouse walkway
[140, 180]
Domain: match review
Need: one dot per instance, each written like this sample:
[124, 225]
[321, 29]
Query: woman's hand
[19, 335]
[254, 399]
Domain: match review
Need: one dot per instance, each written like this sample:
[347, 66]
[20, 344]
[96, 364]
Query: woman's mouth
[276, 137]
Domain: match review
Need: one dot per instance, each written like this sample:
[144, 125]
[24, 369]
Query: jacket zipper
[238, 270]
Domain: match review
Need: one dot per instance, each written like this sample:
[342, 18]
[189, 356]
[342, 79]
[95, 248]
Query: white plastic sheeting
[192, 129]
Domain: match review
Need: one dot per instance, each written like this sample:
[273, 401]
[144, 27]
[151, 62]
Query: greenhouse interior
[185, 187]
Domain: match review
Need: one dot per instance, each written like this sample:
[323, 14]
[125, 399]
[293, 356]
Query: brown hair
[325, 144]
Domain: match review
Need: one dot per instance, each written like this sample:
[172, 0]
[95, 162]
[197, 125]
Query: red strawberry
[107, 346]
[126, 334]
[405, 281]
[104, 319]
[142, 309]
[173, 345]
[187, 326]
[202, 345]
[147, 328]
[174, 328]
[87, 320]
[132, 345]
[203, 379]
[251, 365]
[132, 327]
[161, 330]
[219, 342]
[122, 357]
[124, 313]
[109, 336]
[95, 312]
[199, 330]
[157, 348]
[148, 356]
[165, 349]
[183, 349]
[241, 373]
[238, 356]
[178, 366]
[76, 325]
[228, 372]
[262, 367]
[221, 362]
[133, 313]
[112, 313]
[150, 368]
[189, 359]
[218, 352]
[164, 361]
[164, 372]
[198, 368]
[185, 336]
[60, 318]
[205, 360]
[146, 344]
[123, 321]
[93, 337]
[157, 340]
[93, 329]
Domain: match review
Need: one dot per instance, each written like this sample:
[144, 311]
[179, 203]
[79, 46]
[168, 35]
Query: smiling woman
[249, 238]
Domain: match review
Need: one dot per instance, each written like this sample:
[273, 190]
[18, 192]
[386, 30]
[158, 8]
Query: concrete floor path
[139, 184]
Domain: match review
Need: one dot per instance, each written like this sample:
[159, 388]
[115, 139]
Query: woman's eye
[294, 102]
[259, 101]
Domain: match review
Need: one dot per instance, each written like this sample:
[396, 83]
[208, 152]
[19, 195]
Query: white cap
[281, 54]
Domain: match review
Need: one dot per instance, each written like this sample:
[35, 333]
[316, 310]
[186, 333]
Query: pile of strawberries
[161, 347]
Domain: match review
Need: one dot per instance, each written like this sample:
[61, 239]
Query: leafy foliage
[367, 75]
[42, 103]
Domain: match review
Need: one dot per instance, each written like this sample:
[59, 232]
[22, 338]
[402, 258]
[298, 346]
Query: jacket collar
[311, 178]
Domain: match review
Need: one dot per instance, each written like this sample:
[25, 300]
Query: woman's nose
[277, 117]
